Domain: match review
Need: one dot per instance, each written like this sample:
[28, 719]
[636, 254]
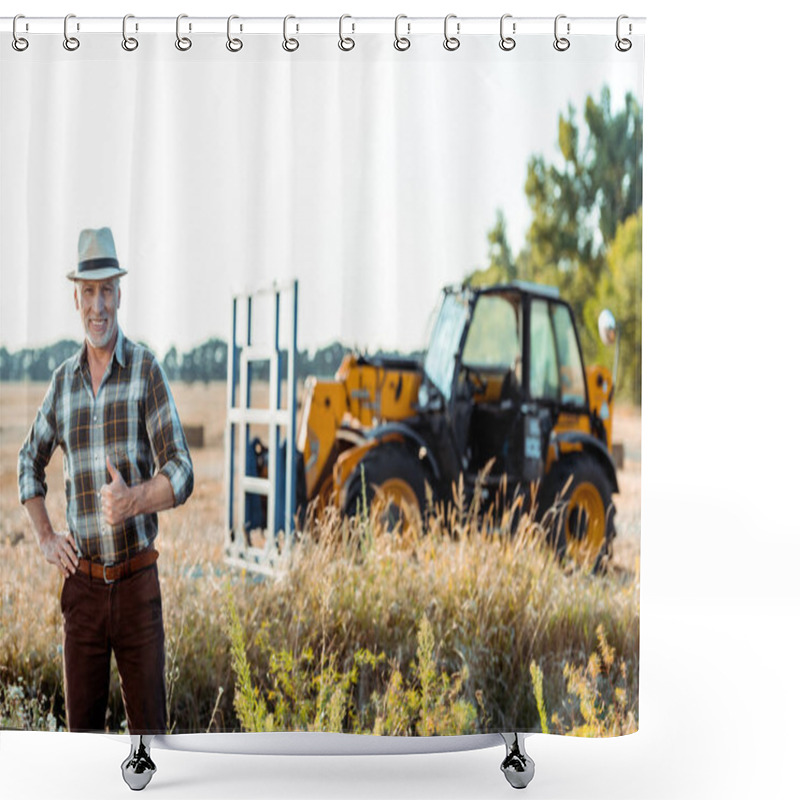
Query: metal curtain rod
[463, 26]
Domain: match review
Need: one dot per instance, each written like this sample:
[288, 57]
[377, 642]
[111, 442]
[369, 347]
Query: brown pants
[123, 617]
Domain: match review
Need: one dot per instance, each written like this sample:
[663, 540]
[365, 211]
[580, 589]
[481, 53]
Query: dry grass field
[358, 631]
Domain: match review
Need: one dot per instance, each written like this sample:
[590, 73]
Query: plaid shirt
[133, 420]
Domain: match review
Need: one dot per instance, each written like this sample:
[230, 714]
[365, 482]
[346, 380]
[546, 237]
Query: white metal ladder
[279, 416]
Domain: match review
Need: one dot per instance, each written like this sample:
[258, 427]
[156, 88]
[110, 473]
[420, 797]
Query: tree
[577, 204]
[501, 260]
[206, 362]
[620, 289]
[172, 364]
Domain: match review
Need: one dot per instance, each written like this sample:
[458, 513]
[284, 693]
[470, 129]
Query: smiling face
[98, 302]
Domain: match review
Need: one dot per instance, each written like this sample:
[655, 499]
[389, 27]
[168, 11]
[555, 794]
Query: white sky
[372, 176]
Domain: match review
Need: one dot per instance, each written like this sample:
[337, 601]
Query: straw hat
[97, 256]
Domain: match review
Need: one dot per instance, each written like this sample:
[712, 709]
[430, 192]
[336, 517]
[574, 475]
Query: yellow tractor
[501, 400]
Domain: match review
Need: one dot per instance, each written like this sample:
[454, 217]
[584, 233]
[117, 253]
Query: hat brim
[97, 274]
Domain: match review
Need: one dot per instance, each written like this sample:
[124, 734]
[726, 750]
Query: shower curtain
[457, 215]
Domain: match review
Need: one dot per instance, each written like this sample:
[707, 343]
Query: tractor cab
[505, 373]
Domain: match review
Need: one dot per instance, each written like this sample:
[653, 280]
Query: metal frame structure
[281, 414]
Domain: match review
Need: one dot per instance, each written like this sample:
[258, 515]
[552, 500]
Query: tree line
[204, 363]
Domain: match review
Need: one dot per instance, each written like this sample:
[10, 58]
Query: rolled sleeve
[37, 449]
[181, 478]
[167, 438]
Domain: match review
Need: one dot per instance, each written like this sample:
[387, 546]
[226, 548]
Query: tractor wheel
[391, 481]
[576, 496]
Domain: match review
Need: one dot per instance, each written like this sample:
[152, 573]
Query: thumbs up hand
[116, 498]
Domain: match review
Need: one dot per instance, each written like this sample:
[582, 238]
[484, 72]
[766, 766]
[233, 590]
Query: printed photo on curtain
[320, 380]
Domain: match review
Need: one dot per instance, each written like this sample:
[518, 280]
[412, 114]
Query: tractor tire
[576, 507]
[390, 479]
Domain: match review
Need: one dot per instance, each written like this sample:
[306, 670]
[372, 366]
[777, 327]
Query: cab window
[493, 338]
[445, 341]
[544, 363]
[570, 367]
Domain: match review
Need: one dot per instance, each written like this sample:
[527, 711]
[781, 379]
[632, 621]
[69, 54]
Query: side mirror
[607, 326]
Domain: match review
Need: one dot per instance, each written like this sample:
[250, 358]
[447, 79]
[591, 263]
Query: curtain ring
[623, 45]
[451, 42]
[19, 43]
[234, 45]
[70, 42]
[401, 43]
[289, 45]
[183, 43]
[507, 42]
[346, 43]
[561, 43]
[129, 43]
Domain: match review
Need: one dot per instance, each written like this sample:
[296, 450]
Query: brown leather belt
[116, 572]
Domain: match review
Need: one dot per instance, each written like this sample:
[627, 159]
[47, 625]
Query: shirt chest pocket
[126, 442]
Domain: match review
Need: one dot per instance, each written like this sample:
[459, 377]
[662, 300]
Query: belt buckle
[105, 578]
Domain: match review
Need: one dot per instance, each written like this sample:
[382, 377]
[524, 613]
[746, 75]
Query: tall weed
[21, 709]
[598, 701]
[301, 693]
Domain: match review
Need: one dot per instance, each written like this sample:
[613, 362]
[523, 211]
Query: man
[110, 410]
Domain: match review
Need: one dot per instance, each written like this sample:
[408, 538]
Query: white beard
[100, 339]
